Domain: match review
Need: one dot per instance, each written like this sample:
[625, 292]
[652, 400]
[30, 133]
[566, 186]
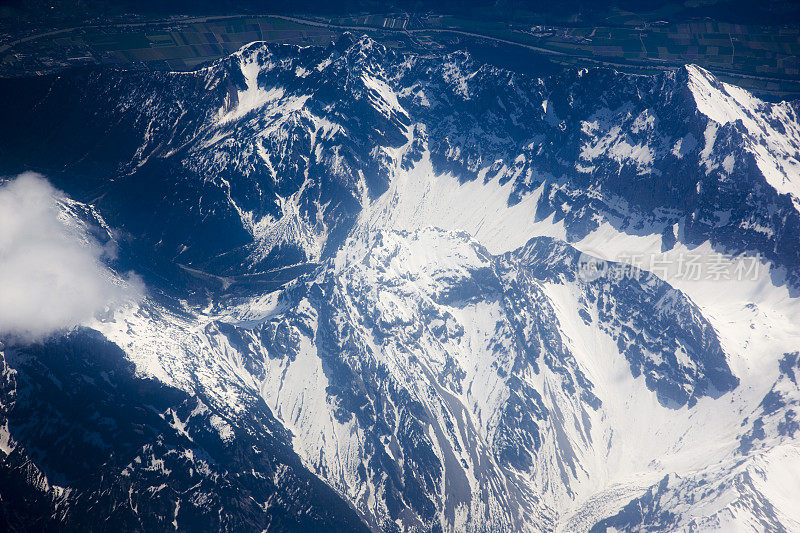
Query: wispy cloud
[52, 274]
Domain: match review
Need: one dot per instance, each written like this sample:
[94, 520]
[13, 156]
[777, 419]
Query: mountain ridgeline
[367, 305]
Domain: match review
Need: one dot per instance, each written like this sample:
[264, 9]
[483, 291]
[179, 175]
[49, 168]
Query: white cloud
[52, 274]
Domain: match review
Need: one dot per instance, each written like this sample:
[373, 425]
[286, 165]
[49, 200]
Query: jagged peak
[718, 100]
[775, 126]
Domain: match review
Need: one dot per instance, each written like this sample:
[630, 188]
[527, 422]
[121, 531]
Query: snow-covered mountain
[414, 293]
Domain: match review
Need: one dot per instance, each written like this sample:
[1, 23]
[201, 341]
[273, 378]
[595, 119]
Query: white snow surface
[254, 96]
[435, 229]
[773, 129]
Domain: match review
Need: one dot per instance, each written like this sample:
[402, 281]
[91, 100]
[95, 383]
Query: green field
[763, 59]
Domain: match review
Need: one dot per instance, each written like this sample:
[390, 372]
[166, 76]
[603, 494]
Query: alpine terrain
[384, 292]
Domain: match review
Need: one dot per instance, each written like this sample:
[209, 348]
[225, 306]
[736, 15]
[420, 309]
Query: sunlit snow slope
[368, 285]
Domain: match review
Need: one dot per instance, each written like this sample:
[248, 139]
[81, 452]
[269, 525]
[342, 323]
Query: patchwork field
[763, 59]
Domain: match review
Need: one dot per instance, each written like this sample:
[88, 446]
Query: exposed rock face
[368, 305]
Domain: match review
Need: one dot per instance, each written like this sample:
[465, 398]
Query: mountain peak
[427, 293]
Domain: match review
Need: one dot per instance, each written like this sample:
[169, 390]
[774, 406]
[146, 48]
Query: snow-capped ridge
[388, 258]
[773, 130]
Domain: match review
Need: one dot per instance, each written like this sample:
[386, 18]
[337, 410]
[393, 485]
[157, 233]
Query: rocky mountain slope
[414, 293]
